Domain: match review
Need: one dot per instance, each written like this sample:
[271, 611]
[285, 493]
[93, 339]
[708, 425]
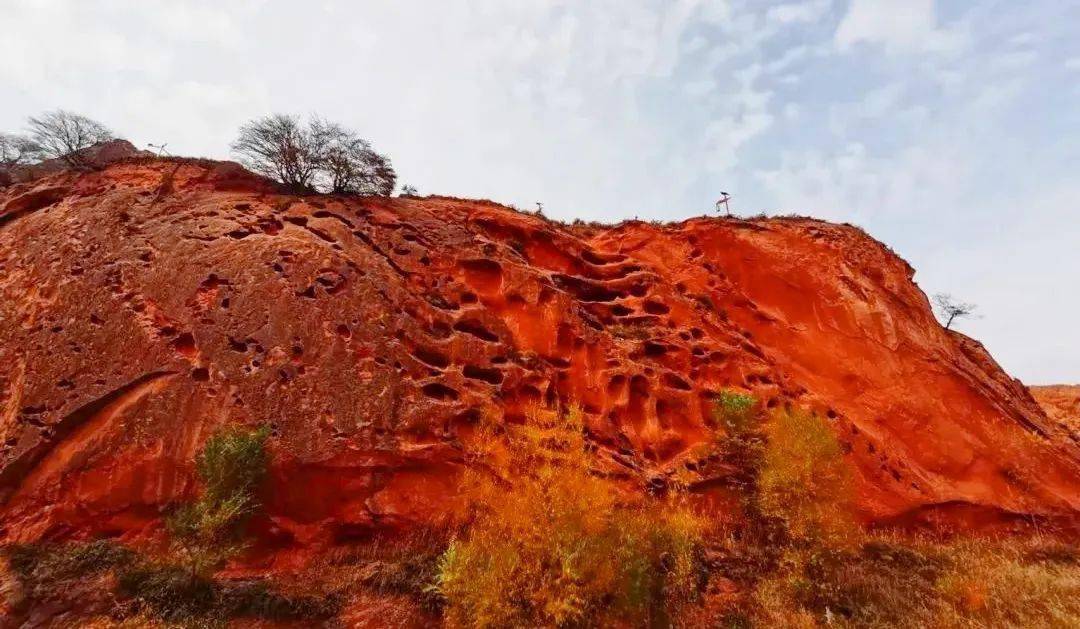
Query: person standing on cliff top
[724, 198]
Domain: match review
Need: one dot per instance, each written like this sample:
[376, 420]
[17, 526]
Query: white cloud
[897, 25]
[807, 11]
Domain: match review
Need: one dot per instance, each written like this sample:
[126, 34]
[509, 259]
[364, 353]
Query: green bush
[735, 411]
[209, 531]
[742, 442]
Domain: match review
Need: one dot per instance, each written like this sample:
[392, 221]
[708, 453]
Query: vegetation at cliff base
[544, 538]
[801, 561]
[550, 543]
[209, 531]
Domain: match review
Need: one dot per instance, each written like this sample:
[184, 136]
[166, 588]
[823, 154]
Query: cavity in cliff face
[144, 306]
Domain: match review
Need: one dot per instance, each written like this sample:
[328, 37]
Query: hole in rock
[615, 384]
[676, 382]
[655, 307]
[483, 274]
[491, 376]
[439, 391]
[477, 329]
[185, 345]
[439, 330]
[587, 290]
[430, 357]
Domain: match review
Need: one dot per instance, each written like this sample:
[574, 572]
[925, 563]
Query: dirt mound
[144, 306]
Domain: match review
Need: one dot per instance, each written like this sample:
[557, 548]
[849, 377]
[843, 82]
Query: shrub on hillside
[735, 411]
[209, 531]
[551, 544]
[742, 441]
[804, 479]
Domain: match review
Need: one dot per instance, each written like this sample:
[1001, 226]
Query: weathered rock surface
[1061, 403]
[143, 306]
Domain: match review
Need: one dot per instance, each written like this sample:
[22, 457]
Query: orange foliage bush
[551, 544]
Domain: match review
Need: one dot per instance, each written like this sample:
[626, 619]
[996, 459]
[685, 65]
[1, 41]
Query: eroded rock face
[146, 305]
[1061, 403]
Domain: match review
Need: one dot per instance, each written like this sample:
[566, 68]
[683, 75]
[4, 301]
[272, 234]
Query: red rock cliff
[145, 305]
[1061, 403]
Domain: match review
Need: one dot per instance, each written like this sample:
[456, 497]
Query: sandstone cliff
[1061, 403]
[145, 305]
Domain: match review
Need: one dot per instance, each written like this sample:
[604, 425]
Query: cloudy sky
[950, 130]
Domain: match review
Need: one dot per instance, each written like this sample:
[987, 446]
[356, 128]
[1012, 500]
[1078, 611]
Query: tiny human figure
[724, 198]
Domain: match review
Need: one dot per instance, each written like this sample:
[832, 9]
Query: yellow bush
[804, 479]
[551, 544]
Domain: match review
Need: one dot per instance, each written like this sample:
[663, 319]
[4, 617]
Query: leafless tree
[949, 309]
[349, 164]
[318, 155]
[409, 191]
[17, 149]
[64, 135]
[280, 147]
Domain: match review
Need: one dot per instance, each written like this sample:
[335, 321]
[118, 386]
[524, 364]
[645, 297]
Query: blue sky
[949, 130]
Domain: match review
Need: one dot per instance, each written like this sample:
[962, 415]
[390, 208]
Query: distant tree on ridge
[349, 164]
[64, 135]
[319, 155]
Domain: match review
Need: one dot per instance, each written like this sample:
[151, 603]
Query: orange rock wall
[143, 306]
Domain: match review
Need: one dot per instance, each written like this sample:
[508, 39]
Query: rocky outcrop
[145, 305]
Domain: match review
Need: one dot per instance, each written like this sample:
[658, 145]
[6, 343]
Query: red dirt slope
[143, 306]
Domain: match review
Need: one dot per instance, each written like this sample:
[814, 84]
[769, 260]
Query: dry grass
[902, 583]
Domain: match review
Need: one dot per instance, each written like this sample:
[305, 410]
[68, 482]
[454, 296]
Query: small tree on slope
[950, 309]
